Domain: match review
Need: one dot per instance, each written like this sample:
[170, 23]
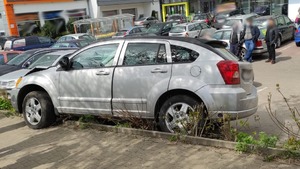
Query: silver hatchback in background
[241, 19]
[159, 78]
[192, 30]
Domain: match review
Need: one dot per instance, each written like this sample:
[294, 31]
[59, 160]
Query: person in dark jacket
[249, 36]
[235, 39]
[271, 39]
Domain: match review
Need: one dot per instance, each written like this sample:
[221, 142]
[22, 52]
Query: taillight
[297, 31]
[258, 43]
[230, 72]
[206, 20]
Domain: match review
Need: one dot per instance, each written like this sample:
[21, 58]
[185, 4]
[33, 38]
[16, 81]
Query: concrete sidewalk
[60, 147]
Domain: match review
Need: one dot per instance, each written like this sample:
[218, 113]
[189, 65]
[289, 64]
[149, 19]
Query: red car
[6, 56]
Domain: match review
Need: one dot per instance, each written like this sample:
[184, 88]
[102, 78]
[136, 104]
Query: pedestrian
[271, 39]
[249, 36]
[297, 20]
[234, 39]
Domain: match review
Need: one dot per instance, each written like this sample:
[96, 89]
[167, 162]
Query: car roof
[62, 52]
[242, 16]
[187, 24]
[77, 34]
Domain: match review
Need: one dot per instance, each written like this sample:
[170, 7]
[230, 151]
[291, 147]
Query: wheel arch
[171, 93]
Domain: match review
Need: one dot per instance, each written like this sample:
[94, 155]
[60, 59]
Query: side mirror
[27, 64]
[65, 63]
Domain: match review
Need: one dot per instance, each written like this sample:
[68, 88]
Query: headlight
[18, 82]
[11, 84]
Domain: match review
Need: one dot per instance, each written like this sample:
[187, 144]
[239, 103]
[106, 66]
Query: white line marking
[260, 90]
[285, 48]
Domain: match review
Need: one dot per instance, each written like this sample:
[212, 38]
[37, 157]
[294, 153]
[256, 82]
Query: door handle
[102, 73]
[158, 70]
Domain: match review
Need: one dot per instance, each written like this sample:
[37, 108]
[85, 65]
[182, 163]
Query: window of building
[145, 54]
[183, 55]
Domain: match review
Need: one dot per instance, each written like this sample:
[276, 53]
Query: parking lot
[58, 147]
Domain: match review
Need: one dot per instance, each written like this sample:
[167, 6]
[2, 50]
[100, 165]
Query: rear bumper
[260, 50]
[230, 100]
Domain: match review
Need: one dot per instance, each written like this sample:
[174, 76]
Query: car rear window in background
[174, 18]
[1, 59]
[260, 22]
[231, 22]
[86, 37]
[10, 56]
[200, 17]
[19, 43]
[178, 29]
[46, 60]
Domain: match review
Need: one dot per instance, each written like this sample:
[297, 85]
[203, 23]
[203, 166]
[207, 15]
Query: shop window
[109, 13]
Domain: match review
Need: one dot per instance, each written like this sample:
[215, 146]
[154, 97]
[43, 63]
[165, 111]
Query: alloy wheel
[33, 111]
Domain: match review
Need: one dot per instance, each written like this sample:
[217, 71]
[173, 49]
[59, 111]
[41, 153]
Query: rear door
[283, 29]
[144, 68]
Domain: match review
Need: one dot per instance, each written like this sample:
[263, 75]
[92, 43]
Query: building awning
[118, 2]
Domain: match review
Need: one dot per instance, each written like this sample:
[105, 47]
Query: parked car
[297, 36]
[229, 22]
[204, 17]
[161, 29]
[262, 10]
[146, 21]
[285, 26]
[129, 31]
[28, 43]
[82, 36]
[162, 78]
[6, 56]
[8, 81]
[24, 60]
[78, 43]
[186, 30]
[3, 39]
[225, 34]
[178, 18]
[219, 18]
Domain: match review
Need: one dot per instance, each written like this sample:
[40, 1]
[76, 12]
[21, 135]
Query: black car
[285, 26]
[24, 60]
[28, 43]
[219, 18]
[262, 10]
[161, 29]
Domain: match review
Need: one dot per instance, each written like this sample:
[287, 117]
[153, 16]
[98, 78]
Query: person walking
[271, 39]
[235, 39]
[249, 36]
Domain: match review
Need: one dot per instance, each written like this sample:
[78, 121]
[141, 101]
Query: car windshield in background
[178, 29]
[260, 22]
[199, 17]
[155, 28]
[227, 54]
[46, 60]
[174, 18]
[19, 59]
[121, 33]
[231, 22]
[64, 45]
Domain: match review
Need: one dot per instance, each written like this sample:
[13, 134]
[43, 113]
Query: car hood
[4, 69]
[14, 75]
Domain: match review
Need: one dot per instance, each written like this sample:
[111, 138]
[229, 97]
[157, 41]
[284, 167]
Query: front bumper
[230, 100]
[13, 96]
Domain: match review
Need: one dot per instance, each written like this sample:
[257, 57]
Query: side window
[198, 26]
[218, 35]
[183, 55]
[226, 35]
[204, 26]
[191, 27]
[96, 57]
[145, 54]
[44, 40]
[1, 59]
[280, 21]
[287, 20]
[167, 27]
[10, 56]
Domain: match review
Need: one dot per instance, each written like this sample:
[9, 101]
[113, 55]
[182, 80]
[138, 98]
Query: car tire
[278, 43]
[298, 44]
[38, 110]
[165, 119]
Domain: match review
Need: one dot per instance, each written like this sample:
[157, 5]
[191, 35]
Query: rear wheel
[38, 110]
[175, 113]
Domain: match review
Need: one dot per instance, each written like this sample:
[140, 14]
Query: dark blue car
[28, 43]
[297, 36]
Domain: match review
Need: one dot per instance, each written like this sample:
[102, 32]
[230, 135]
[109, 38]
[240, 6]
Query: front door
[143, 71]
[86, 88]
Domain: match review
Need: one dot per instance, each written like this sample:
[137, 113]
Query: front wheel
[38, 110]
[175, 113]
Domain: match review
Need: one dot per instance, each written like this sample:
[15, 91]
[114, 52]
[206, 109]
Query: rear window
[46, 60]
[260, 22]
[178, 29]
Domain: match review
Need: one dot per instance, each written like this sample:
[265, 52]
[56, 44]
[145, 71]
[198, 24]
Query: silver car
[8, 81]
[146, 21]
[225, 34]
[241, 19]
[161, 78]
[193, 30]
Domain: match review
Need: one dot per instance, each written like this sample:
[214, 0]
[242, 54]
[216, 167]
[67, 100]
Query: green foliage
[292, 144]
[246, 141]
[70, 26]
[125, 125]
[49, 30]
[87, 119]
[5, 104]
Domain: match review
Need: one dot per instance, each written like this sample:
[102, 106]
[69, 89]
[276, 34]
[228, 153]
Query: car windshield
[20, 59]
[199, 17]
[231, 22]
[260, 22]
[178, 29]
[46, 60]
[155, 28]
